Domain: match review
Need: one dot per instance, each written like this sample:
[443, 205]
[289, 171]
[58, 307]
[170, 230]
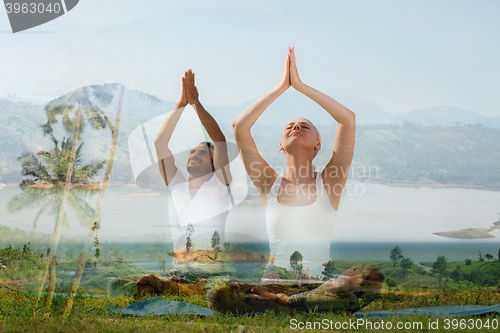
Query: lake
[371, 220]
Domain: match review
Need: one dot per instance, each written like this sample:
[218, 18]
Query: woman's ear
[281, 147]
[318, 146]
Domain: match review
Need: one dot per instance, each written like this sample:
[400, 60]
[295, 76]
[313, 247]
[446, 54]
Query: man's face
[200, 160]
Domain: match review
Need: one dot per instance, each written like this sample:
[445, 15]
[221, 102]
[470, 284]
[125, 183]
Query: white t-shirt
[206, 212]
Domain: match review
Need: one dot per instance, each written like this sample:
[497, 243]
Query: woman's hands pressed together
[285, 78]
[294, 74]
[290, 77]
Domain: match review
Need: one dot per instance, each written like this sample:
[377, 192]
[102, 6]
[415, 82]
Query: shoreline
[436, 185]
[371, 181]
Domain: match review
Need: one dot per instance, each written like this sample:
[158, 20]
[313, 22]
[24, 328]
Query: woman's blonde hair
[318, 136]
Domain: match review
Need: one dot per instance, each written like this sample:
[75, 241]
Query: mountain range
[297, 105]
[377, 131]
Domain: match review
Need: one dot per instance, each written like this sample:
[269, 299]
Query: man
[202, 201]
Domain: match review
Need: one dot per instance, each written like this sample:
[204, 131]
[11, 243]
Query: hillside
[461, 155]
[400, 154]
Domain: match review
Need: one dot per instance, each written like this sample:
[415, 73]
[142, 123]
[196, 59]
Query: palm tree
[97, 213]
[107, 176]
[48, 201]
[87, 101]
[50, 167]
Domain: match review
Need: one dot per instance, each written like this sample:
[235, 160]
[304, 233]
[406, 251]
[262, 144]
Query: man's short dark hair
[209, 144]
[211, 150]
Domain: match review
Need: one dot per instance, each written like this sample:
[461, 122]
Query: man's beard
[198, 170]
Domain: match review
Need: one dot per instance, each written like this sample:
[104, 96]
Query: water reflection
[48, 200]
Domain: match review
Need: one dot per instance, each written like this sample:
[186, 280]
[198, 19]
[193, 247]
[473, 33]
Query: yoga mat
[435, 311]
[159, 306]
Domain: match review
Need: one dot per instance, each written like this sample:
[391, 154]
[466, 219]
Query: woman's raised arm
[260, 172]
[335, 172]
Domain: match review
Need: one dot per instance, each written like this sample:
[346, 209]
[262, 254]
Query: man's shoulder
[177, 179]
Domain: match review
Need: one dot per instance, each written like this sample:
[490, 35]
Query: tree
[190, 231]
[391, 283]
[396, 255]
[498, 254]
[488, 257]
[439, 267]
[51, 166]
[96, 242]
[406, 265]
[104, 96]
[162, 264]
[216, 242]
[468, 262]
[87, 101]
[456, 274]
[49, 200]
[481, 258]
[296, 263]
[328, 271]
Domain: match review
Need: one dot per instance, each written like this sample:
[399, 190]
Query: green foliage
[20, 264]
[22, 312]
[51, 167]
[461, 286]
[215, 242]
[406, 265]
[419, 270]
[481, 258]
[162, 264]
[190, 230]
[296, 263]
[439, 267]
[189, 244]
[283, 273]
[396, 255]
[391, 283]
[468, 262]
[229, 246]
[456, 274]
[96, 244]
[328, 271]
[488, 257]
[88, 100]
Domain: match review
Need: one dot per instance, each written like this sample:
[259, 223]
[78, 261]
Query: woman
[300, 210]
[300, 204]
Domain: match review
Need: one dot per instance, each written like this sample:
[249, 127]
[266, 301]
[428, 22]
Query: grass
[20, 312]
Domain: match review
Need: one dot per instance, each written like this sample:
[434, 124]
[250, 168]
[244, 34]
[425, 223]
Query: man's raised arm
[166, 161]
[220, 158]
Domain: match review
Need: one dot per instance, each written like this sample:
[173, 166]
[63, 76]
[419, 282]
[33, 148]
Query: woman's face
[301, 133]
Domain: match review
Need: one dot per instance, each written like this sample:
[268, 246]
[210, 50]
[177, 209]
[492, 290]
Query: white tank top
[307, 229]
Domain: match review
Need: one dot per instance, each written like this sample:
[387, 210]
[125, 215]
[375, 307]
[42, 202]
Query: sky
[402, 55]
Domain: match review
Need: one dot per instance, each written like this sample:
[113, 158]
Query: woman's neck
[299, 169]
